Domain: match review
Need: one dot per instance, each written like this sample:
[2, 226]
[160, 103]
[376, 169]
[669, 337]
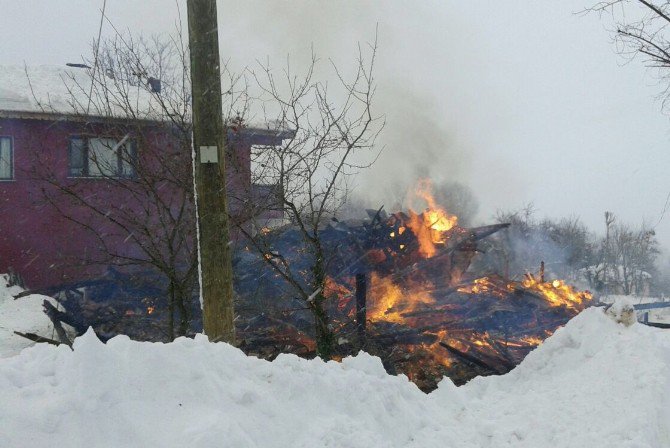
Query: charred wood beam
[361, 295]
[54, 312]
[472, 359]
[37, 338]
[406, 337]
[503, 351]
[479, 233]
[51, 290]
[55, 317]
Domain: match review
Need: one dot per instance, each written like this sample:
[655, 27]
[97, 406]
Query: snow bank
[595, 383]
[25, 315]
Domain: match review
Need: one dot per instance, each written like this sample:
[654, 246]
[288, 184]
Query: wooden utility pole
[209, 141]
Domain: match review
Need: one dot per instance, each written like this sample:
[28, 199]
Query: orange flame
[558, 293]
[389, 301]
[431, 226]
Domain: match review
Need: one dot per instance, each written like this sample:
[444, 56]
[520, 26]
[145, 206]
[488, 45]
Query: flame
[430, 227]
[532, 340]
[405, 292]
[389, 301]
[151, 309]
[486, 285]
[385, 296]
[558, 293]
[436, 350]
[342, 293]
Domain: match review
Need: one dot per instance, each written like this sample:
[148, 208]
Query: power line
[665, 209]
[95, 60]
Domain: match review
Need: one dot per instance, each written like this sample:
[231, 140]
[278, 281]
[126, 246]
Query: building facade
[77, 190]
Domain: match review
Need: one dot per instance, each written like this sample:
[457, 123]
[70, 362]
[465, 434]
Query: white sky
[524, 101]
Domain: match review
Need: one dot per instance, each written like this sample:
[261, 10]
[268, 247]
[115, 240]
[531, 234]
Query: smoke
[416, 144]
[422, 137]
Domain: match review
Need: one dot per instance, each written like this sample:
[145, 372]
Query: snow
[65, 90]
[594, 383]
[24, 315]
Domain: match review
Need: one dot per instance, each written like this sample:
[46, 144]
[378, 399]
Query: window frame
[85, 153]
[12, 160]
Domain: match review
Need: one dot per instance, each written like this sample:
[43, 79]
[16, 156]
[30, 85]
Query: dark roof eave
[78, 118]
[252, 133]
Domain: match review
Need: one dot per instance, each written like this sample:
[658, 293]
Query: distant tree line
[622, 261]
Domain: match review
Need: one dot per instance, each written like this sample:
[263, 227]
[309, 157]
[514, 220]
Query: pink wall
[35, 240]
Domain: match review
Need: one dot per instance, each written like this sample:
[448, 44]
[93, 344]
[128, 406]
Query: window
[101, 157]
[6, 159]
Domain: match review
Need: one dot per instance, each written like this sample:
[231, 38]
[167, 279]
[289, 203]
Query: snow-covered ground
[594, 383]
[24, 315]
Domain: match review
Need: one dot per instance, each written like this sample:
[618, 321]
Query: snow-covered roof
[63, 90]
[47, 90]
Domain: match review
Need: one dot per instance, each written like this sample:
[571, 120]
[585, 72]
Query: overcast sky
[524, 101]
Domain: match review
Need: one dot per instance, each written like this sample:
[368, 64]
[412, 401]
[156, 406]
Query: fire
[532, 340]
[431, 226]
[389, 301]
[558, 293]
[486, 285]
[436, 350]
[151, 309]
[337, 290]
[427, 314]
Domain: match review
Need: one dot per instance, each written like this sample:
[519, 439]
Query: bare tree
[565, 246]
[626, 258]
[334, 132]
[641, 30]
[135, 134]
[634, 252]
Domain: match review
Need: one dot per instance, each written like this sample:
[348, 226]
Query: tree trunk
[184, 314]
[325, 339]
[171, 312]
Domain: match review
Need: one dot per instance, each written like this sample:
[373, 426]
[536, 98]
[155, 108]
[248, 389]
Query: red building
[50, 150]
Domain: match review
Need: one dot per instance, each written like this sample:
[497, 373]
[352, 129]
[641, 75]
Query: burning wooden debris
[427, 314]
[399, 286]
[116, 303]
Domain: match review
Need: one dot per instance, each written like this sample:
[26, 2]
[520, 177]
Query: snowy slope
[595, 383]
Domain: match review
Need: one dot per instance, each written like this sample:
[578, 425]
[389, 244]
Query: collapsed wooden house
[424, 312]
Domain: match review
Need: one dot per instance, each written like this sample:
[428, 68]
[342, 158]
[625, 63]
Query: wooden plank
[53, 313]
[37, 338]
